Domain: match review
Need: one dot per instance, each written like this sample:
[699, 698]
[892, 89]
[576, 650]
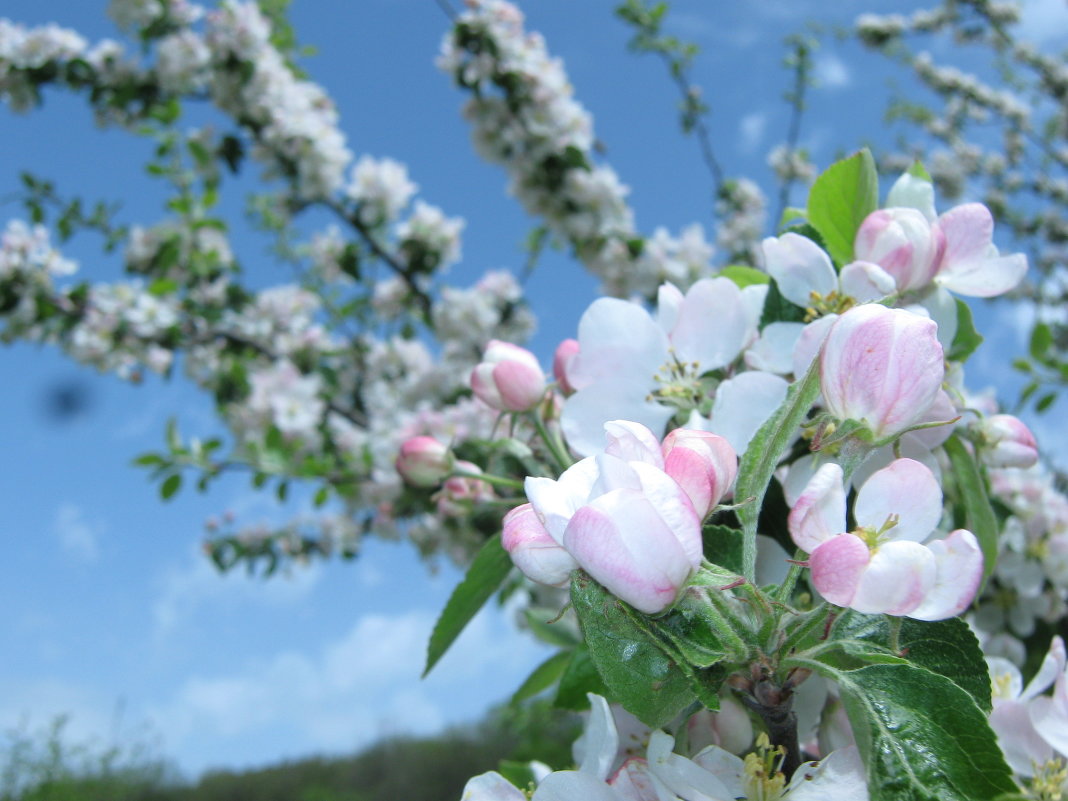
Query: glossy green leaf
[744, 276]
[579, 677]
[840, 199]
[777, 309]
[170, 486]
[723, 546]
[967, 339]
[544, 676]
[487, 572]
[946, 647]
[764, 452]
[635, 668]
[557, 634]
[978, 513]
[921, 736]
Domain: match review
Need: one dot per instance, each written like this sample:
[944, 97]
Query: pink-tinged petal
[633, 442]
[820, 512]
[586, 412]
[906, 489]
[619, 342]
[742, 405]
[837, 567]
[556, 501]
[599, 744]
[881, 366]
[941, 411]
[864, 281]
[986, 278]
[571, 785]
[799, 266]
[809, 343]
[484, 387]
[1021, 744]
[1007, 442]
[959, 562]
[1050, 715]
[491, 786]
[1053, 664]
[622, 542]
[969, 232]
[839, 775]
[704, 465]
[712, 326]
[682, 776]
[885, 456]
[773, 350]
[533, 550]
[911, 191]
[898, 578]
[633, 782]
[674, 508]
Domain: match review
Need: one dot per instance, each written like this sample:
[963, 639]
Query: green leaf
[634, 666]
[744, 276]
[979, 515]
[917, 170]
[1041, 339]
[558, 635]
[1045, 402]
[967, 339]
[487, 572]
[580, 677]
[170, 486]
[778, 309]
[840, 199]
[946, 647]
[764, 452]
[723, 546]
[519, 774]
[790, 214]
[544, 676]
[921, 736]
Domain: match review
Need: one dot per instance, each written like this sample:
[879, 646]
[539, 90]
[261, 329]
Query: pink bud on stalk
[882, 367]
[903, 243]
[565, 355]
[508, 378]
[459, 493]
[1008, 442]
[423, 462]
[533, 550]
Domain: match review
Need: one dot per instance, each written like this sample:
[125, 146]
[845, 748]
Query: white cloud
[751, 131]
[76, 535]
[364, 685]
[186, 588]
[831, 72]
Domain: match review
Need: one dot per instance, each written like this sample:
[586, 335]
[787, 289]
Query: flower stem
[556, 448]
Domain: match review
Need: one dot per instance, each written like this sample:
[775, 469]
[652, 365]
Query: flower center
[831, 303]
[679, 384]
[764, 781]
[1051, 781]
[874, 538]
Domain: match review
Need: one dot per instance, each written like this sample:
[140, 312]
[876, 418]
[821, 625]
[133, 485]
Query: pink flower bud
[882, 367]
[703, 463]
[533, 550]
[1008, 442]
[423, 462]
[459, 493]
[565, 355]
[508, 378]
[903, 243]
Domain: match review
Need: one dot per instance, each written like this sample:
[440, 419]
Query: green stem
[786, 589]
[563, 461]
[813, 620]
[489, 478]
[895, 633]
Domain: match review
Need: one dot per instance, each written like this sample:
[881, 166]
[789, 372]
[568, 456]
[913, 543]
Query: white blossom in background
[381, 188]
[182, 61]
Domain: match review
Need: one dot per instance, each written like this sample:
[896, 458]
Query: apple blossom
[703, 463]
[508, 378]
[424, 462]
[881, 566]
[882, 367]
[1007, 442]
[533, 550]
[903, 243]
[625, 521]
[565, 354]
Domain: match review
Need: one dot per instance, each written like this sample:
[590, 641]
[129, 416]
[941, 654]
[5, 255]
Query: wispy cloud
[751, 131]
[77, 536]
[831, 72]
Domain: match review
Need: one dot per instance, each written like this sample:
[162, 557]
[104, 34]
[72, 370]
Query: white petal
[911, 191]
[556, 501]
[898, 578]
[620, 342]
[683, 777]
[599, 741]
[742, 405]
[586, 412]
[573, 785]
[712, 325]
[820, 512]
[725, 766]
[959, 569]
[839, 775]
[800, 267]
[633, 442]
[773, 351]
[1052, 666]
[1022, 746]
[809, 343]
[985, 278]
[1050, 715]
[668, 302]
[491, 786]
[906, 489]
[771, 565]
[865, 281]
[942, 308]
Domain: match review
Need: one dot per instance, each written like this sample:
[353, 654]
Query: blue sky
[111, 614]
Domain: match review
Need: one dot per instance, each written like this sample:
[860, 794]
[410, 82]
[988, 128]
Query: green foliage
[487, 572]
[979, 515]
[744, 276]
[841, 197]
[966, 339]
